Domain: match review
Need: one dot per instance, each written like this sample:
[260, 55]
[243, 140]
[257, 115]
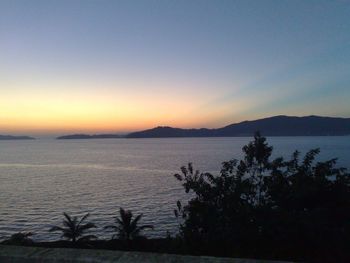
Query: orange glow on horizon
[95, 113]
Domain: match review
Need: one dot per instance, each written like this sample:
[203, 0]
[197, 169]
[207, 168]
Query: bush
[20, 238]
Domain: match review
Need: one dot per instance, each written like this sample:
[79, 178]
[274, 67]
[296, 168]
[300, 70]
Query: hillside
[272, 126]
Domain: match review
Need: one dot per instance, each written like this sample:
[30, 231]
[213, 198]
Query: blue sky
[126, 65]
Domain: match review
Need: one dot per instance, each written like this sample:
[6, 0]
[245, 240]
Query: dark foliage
[75, 229]
[20, 238]
[269, 206]
[126, 227]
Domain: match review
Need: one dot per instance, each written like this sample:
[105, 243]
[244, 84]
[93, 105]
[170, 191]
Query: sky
[126, 65]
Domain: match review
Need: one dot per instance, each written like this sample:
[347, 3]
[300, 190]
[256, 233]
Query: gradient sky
[118, 66]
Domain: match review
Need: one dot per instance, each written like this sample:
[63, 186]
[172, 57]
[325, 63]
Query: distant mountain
[164, 132]
[10, 137]
[86, 136]
[272, 126]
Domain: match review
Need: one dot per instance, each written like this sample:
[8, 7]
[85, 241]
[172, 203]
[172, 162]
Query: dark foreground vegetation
[295, 209]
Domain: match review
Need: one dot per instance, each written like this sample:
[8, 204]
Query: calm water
[41, 179]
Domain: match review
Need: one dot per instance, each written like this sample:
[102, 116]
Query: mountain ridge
[280, 125]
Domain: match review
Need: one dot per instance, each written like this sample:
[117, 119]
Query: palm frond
[73, 228]
[137, 219]
[125, 226]
[135, 222]
[69, 219]
[119, 222]
[83, 218]
[125, 216]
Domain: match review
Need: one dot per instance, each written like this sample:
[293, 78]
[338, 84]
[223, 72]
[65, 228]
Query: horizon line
[123, 133]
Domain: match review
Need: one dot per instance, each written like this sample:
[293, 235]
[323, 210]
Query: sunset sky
[119, 66]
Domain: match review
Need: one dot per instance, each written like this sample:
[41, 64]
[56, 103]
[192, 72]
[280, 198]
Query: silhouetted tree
[74, 229]
[126, 227]
[259, 201]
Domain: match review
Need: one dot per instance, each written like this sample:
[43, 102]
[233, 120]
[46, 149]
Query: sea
[40, 179]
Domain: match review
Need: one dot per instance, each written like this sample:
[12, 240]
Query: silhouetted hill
[86, 136]
[163, 132]
[10, 137]
[272, 126]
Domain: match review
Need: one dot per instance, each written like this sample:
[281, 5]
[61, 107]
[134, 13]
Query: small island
[11, 137]
[87, 136]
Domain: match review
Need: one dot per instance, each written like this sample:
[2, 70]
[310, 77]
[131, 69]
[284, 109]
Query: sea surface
[41, 179]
